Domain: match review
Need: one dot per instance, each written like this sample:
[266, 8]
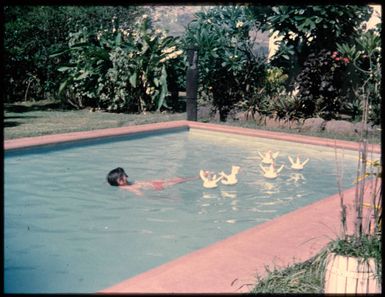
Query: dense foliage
[309, 29]
[231, 69]
[118, 69]
[308, 37]
[320, 84]
[114, 59]
[365, 57]
[33, 33]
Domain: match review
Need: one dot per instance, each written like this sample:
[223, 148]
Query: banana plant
[122, 70]
[89, 61]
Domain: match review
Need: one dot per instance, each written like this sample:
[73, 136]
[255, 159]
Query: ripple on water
[160, 220]
[255, 209]
[49, 229]
[19, 268]
[82, 217]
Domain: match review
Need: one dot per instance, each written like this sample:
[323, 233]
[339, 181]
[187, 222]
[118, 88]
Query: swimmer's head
[117, 177]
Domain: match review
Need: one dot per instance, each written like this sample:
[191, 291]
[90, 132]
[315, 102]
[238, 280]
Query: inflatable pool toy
[230, 179]
[271, 172]
[269, 157]
[297, 165]
[209, 181]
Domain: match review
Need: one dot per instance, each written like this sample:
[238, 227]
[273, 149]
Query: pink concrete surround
[231, 265]
[73, 136]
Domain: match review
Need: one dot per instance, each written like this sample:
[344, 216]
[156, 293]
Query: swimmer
[118, 177]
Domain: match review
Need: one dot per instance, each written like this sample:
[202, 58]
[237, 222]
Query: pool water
[67, 230]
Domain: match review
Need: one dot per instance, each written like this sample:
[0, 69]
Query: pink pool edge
[231, 265]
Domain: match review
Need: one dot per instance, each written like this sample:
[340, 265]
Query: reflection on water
[229, 194]
[296, 177]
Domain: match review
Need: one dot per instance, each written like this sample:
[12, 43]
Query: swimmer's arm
[133, 190]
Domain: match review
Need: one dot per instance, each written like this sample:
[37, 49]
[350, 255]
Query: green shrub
[33, 33]
[231, 70]
[320, 84]
[273, 99]
[308, 29]
[120, 70]
[286, 106]
[365, 56]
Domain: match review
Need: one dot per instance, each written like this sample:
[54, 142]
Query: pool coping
[230, 265]
[25, 142]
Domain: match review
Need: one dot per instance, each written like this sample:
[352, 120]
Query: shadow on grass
[20, 108]
[11, 124]
[12, 121]
[6, 117]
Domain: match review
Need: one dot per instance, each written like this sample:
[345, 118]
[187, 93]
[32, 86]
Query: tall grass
[306, 277]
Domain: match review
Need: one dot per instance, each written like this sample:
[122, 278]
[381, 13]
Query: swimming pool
[67, 230]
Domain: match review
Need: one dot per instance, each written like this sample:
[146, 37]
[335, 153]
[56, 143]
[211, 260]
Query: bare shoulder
[133, 188]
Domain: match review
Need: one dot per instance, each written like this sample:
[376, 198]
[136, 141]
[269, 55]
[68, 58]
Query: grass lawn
[27, 119]
[42, 118]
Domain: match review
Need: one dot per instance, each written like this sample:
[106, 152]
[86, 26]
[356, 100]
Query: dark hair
[114, 175]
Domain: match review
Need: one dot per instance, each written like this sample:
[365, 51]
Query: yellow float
[209, 181]
[297, 164]
[268, 157]
[230, 179]
[270, 172]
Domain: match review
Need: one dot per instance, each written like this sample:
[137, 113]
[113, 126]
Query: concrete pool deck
[230, 265]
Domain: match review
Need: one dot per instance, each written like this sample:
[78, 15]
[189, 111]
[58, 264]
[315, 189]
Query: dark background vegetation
[112, 58]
